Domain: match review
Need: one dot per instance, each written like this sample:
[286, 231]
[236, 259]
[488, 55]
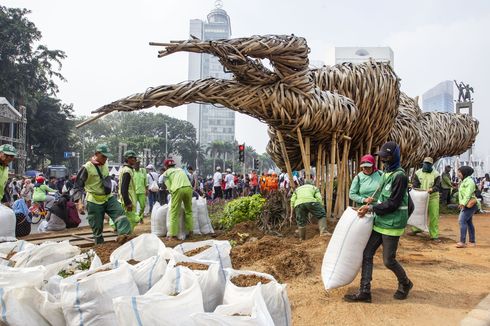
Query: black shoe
[403, 289]
[358, 297]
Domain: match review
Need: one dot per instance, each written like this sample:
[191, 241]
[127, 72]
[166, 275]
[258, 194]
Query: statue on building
[465, 91]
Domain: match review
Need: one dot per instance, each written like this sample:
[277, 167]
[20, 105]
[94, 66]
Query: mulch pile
[196, 251]
[193, 266]
[248, 280]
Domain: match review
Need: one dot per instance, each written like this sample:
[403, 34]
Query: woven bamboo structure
[325, 117]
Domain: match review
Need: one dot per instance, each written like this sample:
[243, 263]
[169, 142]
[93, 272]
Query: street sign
[69, 154]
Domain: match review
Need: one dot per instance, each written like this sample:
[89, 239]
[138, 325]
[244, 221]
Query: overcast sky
[109, 56]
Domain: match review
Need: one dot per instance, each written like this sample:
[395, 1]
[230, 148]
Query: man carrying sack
[308, 199]
[94, 177]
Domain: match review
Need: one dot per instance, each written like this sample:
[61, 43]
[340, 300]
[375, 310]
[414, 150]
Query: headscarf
[427, 167]
[466, 171]
[369, 158]
[394, 163]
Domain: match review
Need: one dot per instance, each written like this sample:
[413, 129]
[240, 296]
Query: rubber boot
[302, 233]
[358, 297]
[322, 226]
[403, 290]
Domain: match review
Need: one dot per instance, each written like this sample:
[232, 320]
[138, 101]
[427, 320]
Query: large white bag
[251, 311]
[212, 280]
[86, 298]
[45, 254]
[148, 272]
[14, 247]
[420, 212]
[203, 217]
[139, 248]
[195, 217]
[8, 223]
[159, 220]
[29, 306]
[343, 257]
[21, 277]
[275, 295]
[219, 251]
[169, 302]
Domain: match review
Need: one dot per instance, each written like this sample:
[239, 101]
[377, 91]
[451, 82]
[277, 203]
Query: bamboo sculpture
[328, 117]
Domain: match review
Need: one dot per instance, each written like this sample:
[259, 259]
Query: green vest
[94, 186]
[427, 180]
[176, 179]
[306, 194]
[140, 181]
[4, 175]
[397, 219]
[132, 187]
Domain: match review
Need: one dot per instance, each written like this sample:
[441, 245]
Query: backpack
[72, 218]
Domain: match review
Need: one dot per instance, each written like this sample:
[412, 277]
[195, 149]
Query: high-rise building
[362, 54]
[439, 98]
[212, 122]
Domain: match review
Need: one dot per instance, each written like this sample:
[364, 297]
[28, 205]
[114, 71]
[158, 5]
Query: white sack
[8, 222]
[139, 248]
[148, 272]
[21, 277]
[275, 295]
[45, 254]
[158, 220]
[203, 217]
[218, 252]
[14, 246]
[195, 216]
[420, 212]
[343, 257]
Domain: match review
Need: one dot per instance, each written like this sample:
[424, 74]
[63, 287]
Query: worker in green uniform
[366, 182]
[446, 186]
[127, 187]
[141, 184]
[308, 199]
[7, 155]
[180, 189]
[100, 200]
[428, 179]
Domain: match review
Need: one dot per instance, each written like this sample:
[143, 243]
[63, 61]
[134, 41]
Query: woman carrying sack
[366, 182]
[468, 206]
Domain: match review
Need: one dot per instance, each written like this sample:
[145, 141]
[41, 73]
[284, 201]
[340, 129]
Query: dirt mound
[249, 280]
[290, 264]
[105, 250]
[251, 252]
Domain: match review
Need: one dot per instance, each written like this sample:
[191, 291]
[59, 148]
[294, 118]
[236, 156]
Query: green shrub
[241, 210]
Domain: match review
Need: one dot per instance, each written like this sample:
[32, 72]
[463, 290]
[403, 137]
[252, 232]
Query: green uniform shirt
[132, 186]
[427, 180]
[4, 175]
[175, 178]
[446, 181]
[39, 194]
[364, 186]
[306, 194]
[140, 181]
[466, 191]
[94, 186]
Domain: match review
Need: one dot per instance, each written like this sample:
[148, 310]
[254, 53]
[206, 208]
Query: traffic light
[256, 163]
[241, 153]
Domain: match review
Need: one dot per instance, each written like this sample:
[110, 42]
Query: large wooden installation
[327, 117]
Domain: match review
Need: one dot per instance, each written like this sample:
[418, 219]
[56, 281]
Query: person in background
[153, 189]
[180, 189]
[141, 185]
[27, 191]
[365, 183]
[229, 184]
[468, 206]
[98, 202]
[308, 199]
[446, 186]
[217, 178]
[52, 182]
[114, 189]
[254, 183]
[485, 183]
[7, 155]
[263, 182]
[163, 192]
[41, 193]
[390, 219]
[428, 179]
[15, 190]
[127, 188]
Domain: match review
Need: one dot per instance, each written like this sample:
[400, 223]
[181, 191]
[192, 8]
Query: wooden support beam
[302, 147]
[319, 155]
[286, 159]
[308, 158]
[333, 147]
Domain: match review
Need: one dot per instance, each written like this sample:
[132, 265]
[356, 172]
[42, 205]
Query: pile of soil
[10, 255]
[196, 251]
[248, 280]
[133, 262]
[193, 266]
[104, 250]
[264, 248]
[290, 264]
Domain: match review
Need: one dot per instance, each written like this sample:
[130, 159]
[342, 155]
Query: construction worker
[100, 201]
[272, 182]
[180, 189]
[428, 179]
[141, 184]
[308, 199]
[127, 187]
[7, 155]
[263, 182]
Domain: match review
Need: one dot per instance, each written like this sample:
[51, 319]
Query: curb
[480, 316]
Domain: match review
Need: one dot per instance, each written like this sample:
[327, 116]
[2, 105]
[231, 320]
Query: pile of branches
[275, 212]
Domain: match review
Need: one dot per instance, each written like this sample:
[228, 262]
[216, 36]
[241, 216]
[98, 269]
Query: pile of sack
[160, 219]
[145, 283]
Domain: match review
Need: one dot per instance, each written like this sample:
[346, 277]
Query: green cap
[8, 149]
[102, 149]
[130, 153]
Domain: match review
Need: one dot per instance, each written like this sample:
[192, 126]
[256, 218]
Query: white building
[212, 122]
[362, 54]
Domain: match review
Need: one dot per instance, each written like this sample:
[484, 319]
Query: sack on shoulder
[472, 202]
[154, 186]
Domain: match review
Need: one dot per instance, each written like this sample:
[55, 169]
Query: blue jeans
[466, 223]
[152, 199]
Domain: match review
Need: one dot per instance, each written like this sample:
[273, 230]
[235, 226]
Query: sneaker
[403, 290]
[460, 245]
[472, 244]
[358, 297]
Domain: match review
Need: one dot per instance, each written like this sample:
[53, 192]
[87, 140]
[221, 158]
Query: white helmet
[150, 167]
[228, 170]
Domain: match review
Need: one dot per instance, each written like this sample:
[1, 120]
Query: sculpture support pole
[302, 148]
[308, 158]
[318, 171]
[286, 159]
[346, 162]
[324, 173]
[331, 175]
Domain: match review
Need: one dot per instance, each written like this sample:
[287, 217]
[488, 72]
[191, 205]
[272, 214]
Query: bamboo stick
[302, 148]
[331, 174]
[286, 160]
[319, 165]
[308, 158]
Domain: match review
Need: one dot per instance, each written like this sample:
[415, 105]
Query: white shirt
[149, 177]
[230, 181]
[217, 179]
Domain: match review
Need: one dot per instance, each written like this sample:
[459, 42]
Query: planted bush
[241, 210]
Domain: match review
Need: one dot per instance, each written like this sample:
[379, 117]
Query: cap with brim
[387, 149]
[104, 150]
[428, 160]
[130, 153]
[366, 165]
[8, 149]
